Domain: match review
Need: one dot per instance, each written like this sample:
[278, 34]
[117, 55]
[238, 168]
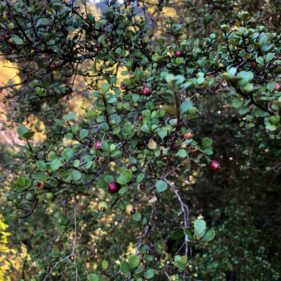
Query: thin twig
[73, 252]
[185, 213]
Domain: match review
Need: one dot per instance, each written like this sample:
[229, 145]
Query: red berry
[98, 145]
[140, 118]
[123, 86]
[188, 136]
[214, 165]
[142, 186]
[146, 91]
[192, 149]
[53, 66]
[113, 187]
[254, 64]
[276, 86]
[40, 184]
[98, 46]
[178, 53]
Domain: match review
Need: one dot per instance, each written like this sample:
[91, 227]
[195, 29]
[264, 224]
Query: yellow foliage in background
[11, 260]
[4, 250]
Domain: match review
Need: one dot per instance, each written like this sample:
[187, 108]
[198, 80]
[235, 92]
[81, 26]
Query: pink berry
[98, 145]
[214, 165]
[178, 53]
[113, 187]
[146, 91]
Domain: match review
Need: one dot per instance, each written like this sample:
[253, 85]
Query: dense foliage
[169, 168]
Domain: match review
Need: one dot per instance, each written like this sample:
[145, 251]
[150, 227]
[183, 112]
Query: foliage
[108, 193]
[3, 249]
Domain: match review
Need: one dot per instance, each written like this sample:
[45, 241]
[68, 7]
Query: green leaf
[231, 71]
[23, 182]
[140, 177]
[116, 154]
[275, 119]
[70, 116]
[56, 164]
[179, 61]
[108, 178]
[189, 234]
[177, 234]
[199, 227]
[181, 261]
[263, 39]
[125, 268]
[123, 190]
[237, 103]
[125, 176]
[208, 151]
[101, 183]
[162, 133]
[94, 277]
[145, 128]
[24, 133]
[209, 236]
[105, 88]
[137, 217]
[186, 105]
[104, 265]
[42, 166]
[43, 21]
[161, 186]
[83, 133]
[269, 57]
[245, 77]
[17, 40]
[127, 128]
[271, 127]
[134, 261]
[170, 78]
[207, 142]
[181, 153]
[22, 130]
[68, 136]
[76, 175]
[249, 87]
[67, 154]
[76, 163]
[149, 273]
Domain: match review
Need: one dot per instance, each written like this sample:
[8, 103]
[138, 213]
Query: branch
[185, 214]
[251, 98]
[12, 85]
[73, 252]
[145, 231]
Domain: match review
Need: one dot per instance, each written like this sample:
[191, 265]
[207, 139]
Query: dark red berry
[40, 184]
[133, 167]
[113, 187]
[123, 86]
